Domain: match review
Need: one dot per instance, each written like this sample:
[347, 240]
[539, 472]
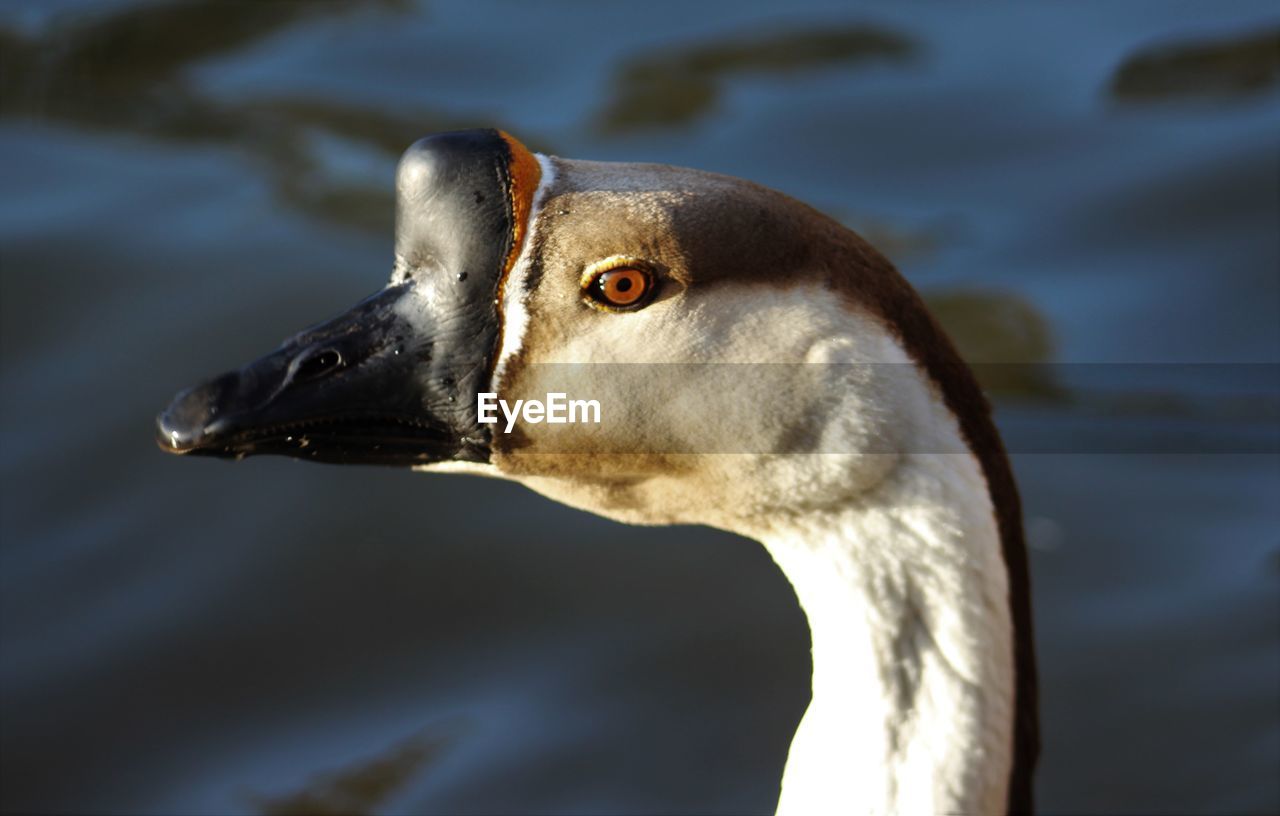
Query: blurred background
[1090, 187]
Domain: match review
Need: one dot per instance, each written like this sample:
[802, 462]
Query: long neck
[913, 682]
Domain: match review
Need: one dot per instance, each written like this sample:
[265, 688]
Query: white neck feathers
[906, 596]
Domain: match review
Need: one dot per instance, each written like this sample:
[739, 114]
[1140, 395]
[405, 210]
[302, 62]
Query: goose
[758, 368]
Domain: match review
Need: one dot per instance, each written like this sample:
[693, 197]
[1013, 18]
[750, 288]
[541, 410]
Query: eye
[622, 287]
[317, 365]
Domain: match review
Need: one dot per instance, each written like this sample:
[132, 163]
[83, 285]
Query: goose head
[679, 301]
[737, 359]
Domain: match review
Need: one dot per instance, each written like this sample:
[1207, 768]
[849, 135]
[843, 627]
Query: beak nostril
[317, 365]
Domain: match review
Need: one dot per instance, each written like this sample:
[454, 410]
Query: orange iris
[621, 287]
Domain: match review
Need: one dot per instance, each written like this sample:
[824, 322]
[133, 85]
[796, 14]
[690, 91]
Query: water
[185, 186]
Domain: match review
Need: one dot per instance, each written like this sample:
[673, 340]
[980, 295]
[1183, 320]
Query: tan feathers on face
[738, 281]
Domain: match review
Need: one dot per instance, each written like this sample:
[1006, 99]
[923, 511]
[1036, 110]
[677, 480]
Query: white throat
[906, 595]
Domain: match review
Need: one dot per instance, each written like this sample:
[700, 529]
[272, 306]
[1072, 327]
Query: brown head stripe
[525, 174]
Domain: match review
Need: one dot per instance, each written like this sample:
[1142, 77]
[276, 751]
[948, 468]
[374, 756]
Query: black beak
[394, 380]
[368, 387]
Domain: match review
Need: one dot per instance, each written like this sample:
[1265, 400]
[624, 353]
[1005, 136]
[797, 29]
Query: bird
[754, 366]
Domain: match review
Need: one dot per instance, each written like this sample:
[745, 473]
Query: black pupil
[623, 284]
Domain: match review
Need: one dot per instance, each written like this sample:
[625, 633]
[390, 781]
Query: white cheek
[739, 370]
